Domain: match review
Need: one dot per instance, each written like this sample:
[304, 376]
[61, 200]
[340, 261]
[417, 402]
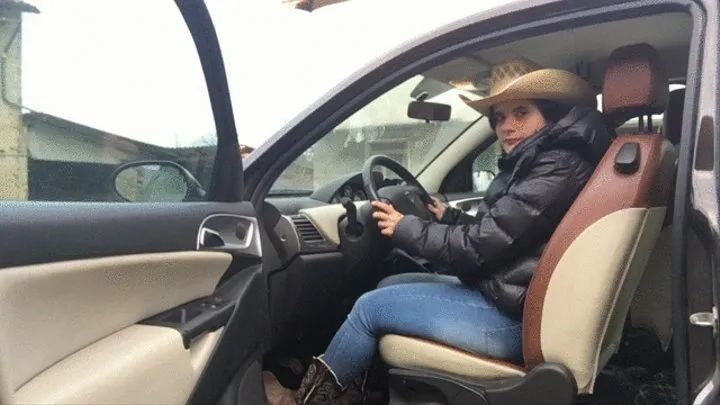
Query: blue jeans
[429, 306]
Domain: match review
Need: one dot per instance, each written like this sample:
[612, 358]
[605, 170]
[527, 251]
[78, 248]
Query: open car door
[130, 272]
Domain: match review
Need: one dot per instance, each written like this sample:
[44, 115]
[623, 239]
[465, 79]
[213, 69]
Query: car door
[696, 287]
[130, 271]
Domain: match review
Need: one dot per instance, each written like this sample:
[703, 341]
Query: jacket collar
[582, 130]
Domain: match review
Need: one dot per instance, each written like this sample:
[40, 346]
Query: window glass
[381, 127]
[88, 86]
[485, 167]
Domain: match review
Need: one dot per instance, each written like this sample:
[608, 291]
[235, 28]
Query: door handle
[211, 239]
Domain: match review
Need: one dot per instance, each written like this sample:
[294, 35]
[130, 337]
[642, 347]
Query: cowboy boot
[318, 387]
[354, 394]
[367, 389]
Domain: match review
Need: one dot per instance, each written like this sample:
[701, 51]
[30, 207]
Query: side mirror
[482, 180]
[428, 111]
[156, 181]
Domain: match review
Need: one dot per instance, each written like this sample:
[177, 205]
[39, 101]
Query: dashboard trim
[326, 220]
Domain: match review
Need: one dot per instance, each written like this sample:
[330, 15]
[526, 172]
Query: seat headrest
[672, 120]
[635, 83]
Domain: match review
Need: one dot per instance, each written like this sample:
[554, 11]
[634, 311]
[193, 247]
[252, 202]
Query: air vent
[306, 230]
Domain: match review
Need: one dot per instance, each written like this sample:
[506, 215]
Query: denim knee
[360, 312]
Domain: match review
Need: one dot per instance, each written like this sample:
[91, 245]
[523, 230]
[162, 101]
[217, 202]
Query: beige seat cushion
[418, 354]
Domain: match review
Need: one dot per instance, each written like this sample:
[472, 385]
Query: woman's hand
[388, 217]
[437, 208]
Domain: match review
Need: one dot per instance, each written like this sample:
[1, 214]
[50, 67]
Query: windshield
[381, 127]
[281, 60]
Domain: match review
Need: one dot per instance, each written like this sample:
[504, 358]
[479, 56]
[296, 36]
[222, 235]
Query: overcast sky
[129, 67]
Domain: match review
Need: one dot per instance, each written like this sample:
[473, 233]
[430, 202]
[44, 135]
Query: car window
[485, 167]
[381, 127]
[87, 88]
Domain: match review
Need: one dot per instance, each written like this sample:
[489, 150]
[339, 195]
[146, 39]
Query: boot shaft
[319, 386]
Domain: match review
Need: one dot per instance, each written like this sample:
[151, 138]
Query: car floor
[641, 373]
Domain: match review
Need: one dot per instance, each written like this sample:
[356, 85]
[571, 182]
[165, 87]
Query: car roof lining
[587, 46]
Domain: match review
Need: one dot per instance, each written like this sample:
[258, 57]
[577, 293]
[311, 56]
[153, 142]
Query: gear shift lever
[354, 228]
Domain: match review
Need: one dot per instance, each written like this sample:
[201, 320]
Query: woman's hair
[552, 111]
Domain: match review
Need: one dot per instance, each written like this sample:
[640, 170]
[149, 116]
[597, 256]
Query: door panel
[94, 306]
[232, 370]
[153, 300]
[60, 308]
[138, 364]
[42, 232]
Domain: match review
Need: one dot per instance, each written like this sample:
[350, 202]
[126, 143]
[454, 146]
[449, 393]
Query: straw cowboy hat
[521, 79]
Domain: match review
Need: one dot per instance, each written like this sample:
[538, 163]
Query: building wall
[70, 181]
[70, 162]
[13, 152]
[53, 143]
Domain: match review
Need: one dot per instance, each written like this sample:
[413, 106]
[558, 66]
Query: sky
[129, 67]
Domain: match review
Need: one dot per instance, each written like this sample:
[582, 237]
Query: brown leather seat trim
[623, 191]
[475, 355]
[635, 83]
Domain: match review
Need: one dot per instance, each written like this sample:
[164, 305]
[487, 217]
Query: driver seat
[578, 300]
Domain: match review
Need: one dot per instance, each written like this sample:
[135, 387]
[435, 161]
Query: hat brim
[548, 84]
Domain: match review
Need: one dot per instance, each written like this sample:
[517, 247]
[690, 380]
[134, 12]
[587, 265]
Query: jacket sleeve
[528, 212]
[454, 216]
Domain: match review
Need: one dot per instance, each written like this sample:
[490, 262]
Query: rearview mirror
[428, 111]
[156, 181]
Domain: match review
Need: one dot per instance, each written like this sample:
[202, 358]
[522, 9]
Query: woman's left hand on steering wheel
[388, 217]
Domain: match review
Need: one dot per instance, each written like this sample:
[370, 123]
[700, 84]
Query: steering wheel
[361, 241]
[409, 198]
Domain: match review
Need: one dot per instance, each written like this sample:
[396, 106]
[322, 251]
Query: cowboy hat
[521, 79]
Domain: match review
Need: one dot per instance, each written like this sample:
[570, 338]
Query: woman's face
[516, 121]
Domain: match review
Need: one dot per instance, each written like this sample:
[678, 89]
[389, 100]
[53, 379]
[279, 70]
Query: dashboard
[350, 186]
[350, 190]
[308, 224]
[304, 231]
[305, 234]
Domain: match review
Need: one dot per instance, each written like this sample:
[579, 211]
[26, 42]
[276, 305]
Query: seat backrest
[651, 308]
[579, 297]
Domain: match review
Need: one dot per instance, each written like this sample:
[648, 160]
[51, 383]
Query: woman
[552, 138]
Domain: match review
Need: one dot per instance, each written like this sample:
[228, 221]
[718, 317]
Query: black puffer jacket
[498, 250]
